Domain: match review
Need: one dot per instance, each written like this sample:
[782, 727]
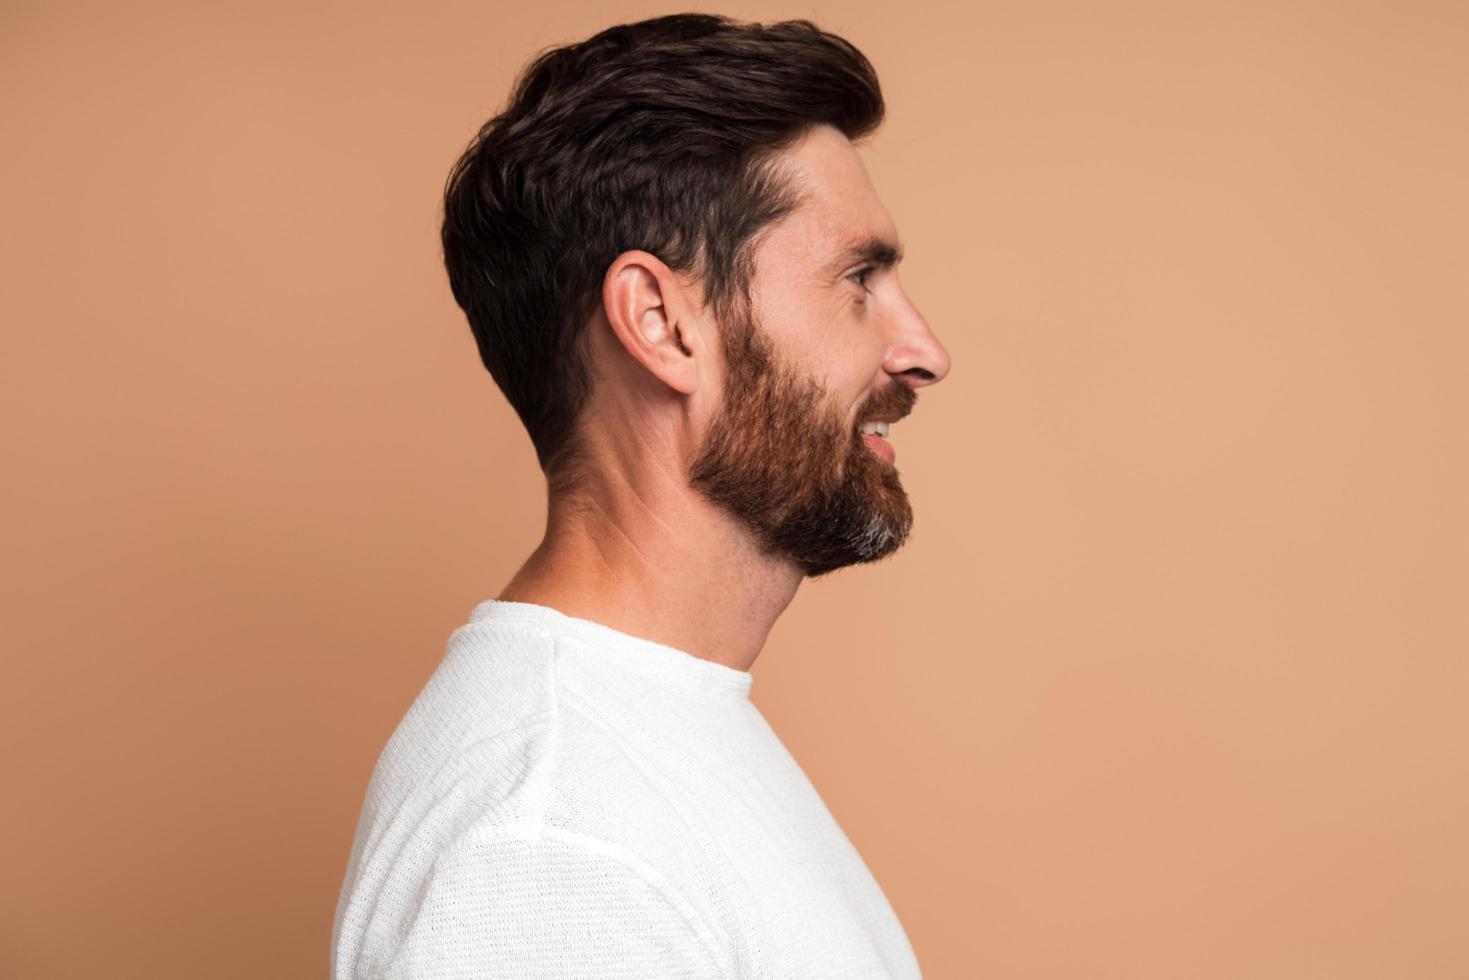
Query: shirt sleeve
[551, 907]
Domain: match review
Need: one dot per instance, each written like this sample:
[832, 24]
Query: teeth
[877, 428]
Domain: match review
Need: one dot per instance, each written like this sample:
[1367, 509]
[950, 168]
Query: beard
[784, 460]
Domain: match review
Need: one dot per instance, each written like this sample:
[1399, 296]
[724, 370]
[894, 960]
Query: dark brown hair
[656, 135]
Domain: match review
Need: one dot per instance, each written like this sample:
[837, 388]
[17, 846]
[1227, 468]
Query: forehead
[839, 206]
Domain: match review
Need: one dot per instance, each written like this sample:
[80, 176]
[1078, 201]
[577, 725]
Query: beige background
[1170, 681]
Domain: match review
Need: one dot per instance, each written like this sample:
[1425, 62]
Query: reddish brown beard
[785, 461]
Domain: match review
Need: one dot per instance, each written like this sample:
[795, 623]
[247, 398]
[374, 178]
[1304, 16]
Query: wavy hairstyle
[657, 135]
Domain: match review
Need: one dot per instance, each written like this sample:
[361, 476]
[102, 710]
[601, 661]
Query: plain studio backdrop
[1170, 680]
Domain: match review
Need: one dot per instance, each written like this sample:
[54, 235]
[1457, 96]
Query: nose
[915, 356]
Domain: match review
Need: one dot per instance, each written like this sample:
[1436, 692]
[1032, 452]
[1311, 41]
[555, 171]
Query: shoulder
[490, 696]
[507, 814]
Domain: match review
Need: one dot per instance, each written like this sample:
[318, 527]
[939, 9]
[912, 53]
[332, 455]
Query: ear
[647, 311]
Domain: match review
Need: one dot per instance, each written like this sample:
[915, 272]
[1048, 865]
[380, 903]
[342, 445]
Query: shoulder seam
[546, 771]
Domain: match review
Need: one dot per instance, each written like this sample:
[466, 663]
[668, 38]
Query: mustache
[895, 400]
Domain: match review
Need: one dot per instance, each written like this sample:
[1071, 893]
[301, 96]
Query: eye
[860, 276]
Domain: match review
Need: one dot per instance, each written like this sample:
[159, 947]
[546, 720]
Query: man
[677, 269]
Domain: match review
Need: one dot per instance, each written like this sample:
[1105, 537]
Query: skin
[715, 491]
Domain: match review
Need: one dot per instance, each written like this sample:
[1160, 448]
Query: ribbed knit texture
[567, 800]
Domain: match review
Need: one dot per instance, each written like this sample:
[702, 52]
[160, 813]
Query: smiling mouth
[879, 446]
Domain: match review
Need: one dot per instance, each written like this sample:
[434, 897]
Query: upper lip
[880, 418]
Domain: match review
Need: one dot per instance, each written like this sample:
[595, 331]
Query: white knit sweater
[567, 800]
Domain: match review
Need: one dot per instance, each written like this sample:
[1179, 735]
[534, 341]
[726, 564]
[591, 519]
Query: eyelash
[866, 270]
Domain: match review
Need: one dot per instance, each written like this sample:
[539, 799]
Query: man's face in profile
[816, 359]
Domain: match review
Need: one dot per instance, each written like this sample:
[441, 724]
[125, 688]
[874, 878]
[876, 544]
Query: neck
[667, 566]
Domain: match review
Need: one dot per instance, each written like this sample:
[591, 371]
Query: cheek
[845, 371]
[851, 391]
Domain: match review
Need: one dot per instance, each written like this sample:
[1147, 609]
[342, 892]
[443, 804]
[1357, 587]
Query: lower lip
[880, 446]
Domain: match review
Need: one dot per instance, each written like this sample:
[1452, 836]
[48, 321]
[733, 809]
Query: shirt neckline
[635, 652]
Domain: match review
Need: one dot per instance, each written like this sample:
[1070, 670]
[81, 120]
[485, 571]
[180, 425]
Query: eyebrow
[874, 249]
